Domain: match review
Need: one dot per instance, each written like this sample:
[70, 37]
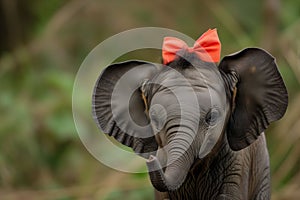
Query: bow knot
[207, 47]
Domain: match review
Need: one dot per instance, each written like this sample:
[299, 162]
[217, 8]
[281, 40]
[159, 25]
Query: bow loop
[207, 47]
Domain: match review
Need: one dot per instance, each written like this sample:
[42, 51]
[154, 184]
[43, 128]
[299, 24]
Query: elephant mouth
[156, 174]
[169, 179]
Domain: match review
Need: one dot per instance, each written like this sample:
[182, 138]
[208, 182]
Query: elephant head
[173, 114]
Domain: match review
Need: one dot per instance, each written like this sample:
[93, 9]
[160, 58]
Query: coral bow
[207, 47]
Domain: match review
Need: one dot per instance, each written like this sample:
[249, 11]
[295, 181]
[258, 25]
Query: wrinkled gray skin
[205, 136]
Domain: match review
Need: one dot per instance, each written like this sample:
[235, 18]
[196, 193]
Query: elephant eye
[212, 117]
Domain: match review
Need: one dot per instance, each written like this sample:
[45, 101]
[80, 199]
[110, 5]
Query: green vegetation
[42, 46]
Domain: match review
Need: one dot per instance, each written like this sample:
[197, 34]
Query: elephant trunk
[179, 163]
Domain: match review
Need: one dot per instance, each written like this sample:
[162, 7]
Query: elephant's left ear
[119, 107]
[257, 92]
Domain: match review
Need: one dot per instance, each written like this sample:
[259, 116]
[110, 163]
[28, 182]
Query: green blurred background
[43, 43]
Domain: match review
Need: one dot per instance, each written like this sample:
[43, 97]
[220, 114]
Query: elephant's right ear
[258, 94]
[119, 108]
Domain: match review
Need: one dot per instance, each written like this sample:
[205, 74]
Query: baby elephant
[199, 125]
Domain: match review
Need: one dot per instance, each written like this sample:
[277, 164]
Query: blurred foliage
[42, 46]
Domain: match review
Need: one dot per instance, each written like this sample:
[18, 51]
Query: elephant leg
[161, 195]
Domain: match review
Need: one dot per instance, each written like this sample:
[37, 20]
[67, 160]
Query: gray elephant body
[199, 126]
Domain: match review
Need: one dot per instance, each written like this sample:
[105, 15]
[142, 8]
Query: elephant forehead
[209, 86]
[188, 100]
[206, 77]
[175, 95]
[202, 86]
